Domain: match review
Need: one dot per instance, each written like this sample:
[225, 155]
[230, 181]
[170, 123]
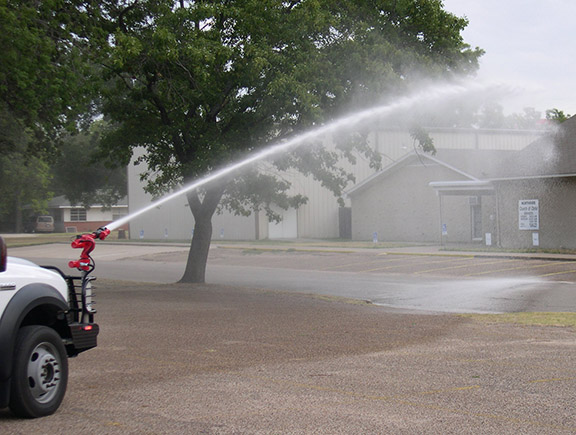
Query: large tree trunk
[203, 210]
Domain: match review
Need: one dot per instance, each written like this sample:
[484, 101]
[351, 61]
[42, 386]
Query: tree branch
[216, 109]
[121, 23]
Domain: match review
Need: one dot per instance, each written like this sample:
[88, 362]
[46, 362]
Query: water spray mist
[434, 94]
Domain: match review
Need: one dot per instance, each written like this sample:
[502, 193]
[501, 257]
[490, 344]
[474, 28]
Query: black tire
[40, 372]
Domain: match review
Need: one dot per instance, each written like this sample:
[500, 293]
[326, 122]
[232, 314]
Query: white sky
[528, 43]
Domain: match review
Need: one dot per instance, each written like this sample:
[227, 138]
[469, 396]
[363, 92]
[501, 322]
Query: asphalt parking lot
[412, 262]
[415, 261]
[215, 359]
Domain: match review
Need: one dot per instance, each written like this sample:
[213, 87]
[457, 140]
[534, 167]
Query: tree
[45, 90]
[200, 83]
[24, 178]
[44, 73]
[556, 116]
[81, 176]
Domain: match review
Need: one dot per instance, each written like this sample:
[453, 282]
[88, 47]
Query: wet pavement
[422, 261]
[416, 278]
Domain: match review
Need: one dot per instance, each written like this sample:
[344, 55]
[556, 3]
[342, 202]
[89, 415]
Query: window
[476, 217]
[78, 214]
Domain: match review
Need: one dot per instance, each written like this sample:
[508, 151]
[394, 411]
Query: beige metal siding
[319, 217]
[387, 209]
[174, 220]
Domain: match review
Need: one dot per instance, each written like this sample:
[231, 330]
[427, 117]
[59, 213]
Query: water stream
[434, 94]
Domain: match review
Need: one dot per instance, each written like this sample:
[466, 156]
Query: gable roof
[551, 155]
[472, 164]
[63, 202]
[480, 164]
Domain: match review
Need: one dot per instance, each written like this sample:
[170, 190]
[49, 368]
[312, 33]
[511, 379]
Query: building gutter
[534, 177]
[467, 188]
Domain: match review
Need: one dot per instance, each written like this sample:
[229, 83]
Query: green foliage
[492, 116]
[199, 83]
[24, 179]
[423, 139]
[256, 191]
[527, 120]
[556, 116]
[44, 76]
[81, 175]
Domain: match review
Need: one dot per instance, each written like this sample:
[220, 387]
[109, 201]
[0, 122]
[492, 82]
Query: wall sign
[528, 214]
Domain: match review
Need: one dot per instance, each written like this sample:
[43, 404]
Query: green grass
[484, 249]
[37, 239]
[531, 319]
[19, 240]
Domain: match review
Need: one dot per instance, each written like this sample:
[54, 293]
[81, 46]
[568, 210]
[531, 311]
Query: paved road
[215, 359]
[426, 283]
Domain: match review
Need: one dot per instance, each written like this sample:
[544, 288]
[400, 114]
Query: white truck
[46, 316]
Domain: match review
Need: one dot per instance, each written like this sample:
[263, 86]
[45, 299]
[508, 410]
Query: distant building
[536, 193]
[398, 204]
[74, 218]
[321, 217]
[513, 199]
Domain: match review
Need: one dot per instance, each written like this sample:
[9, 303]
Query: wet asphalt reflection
[426, 283]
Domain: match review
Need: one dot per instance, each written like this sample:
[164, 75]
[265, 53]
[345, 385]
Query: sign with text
[528, 214]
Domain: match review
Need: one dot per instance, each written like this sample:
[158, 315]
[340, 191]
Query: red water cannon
[87, 243]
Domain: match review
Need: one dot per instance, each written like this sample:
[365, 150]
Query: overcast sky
[528, 43]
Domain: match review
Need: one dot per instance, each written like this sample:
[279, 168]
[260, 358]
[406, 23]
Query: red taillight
[87, 328]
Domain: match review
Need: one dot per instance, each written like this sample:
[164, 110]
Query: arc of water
[435, 93]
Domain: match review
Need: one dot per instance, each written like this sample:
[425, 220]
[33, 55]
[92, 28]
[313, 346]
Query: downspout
[441, 220]
[496, 191]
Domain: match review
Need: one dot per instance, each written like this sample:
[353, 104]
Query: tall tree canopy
[81, 175]
[199, 83]
[45, 89]
[24, 177]
[44, 73]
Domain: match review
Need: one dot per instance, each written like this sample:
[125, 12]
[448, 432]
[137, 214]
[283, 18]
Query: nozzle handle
[101, 233]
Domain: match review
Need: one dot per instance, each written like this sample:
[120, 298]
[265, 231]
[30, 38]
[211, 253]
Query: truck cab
[46, 317]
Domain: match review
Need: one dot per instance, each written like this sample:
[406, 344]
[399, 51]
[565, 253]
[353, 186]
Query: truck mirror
[3, 255]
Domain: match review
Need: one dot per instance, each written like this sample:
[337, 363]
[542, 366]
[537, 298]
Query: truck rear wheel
[40, 373]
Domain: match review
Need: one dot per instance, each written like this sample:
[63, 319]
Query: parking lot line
[421, 263]
[547, 264]
[462, 266]
[559, 273]
[341, 266]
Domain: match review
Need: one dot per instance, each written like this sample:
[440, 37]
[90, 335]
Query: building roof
[474, 165]
[480, 164]
[551, 155]
[63, 202]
